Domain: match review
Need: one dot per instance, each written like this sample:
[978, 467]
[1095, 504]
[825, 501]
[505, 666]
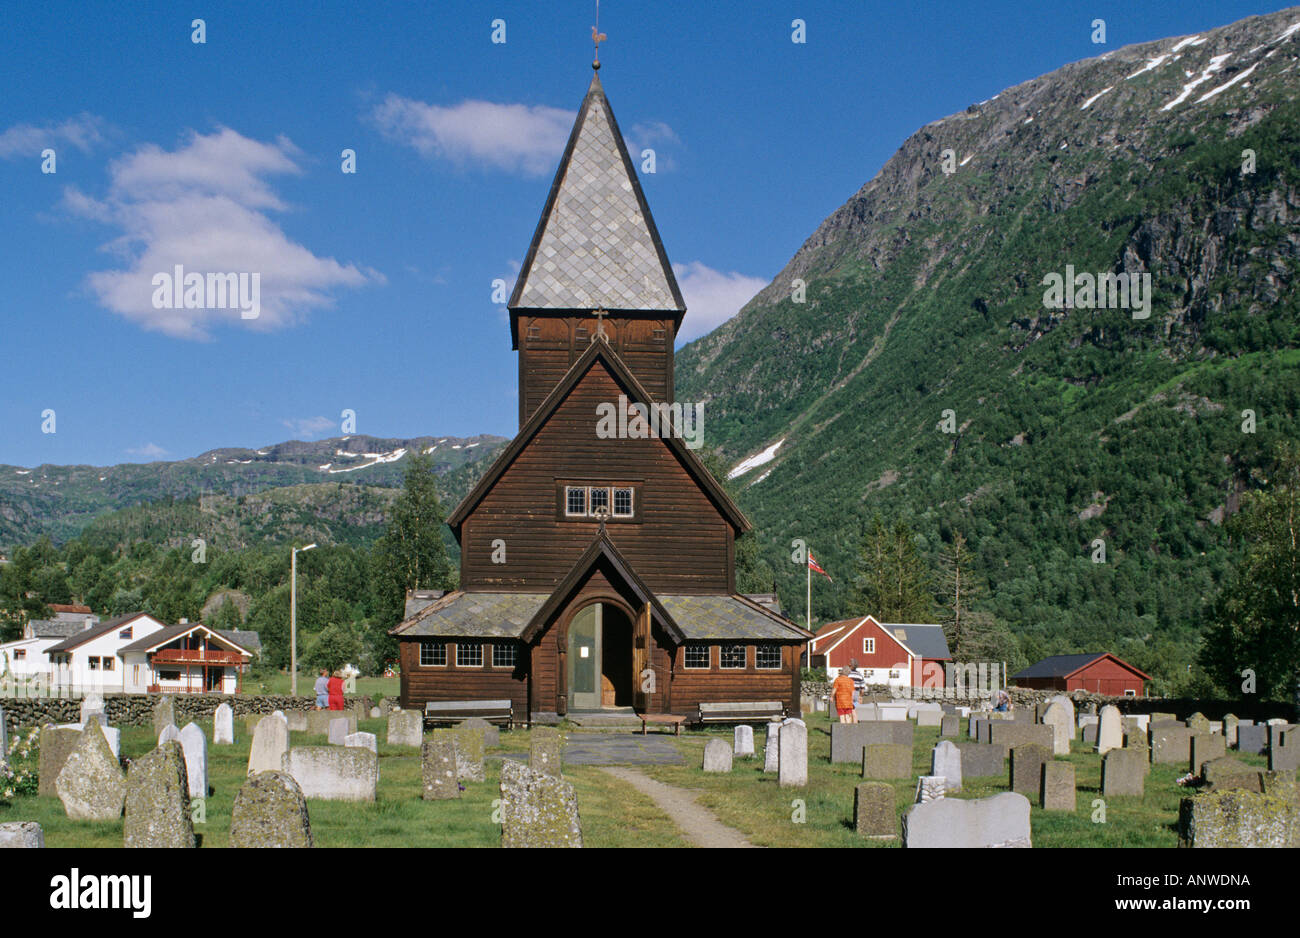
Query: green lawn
[276, 682]
[616, 815]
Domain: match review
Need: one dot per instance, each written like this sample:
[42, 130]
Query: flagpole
[808, 570]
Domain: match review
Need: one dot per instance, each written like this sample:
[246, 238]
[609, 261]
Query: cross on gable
[600, 315]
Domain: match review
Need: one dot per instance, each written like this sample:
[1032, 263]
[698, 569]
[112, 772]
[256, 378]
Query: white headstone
[114, 737]
[792, 762]
[717, 756]
[340, 729]
[771, 749]
[1110, 729]
[1061, 721]
[195, 745]
[92, 706]
[270, 743]
[364, 740]
[169, 734]
[946, 761]
[744, 742]
[223, 726]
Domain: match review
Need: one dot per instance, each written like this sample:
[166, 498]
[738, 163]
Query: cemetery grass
[753, 803]
[277, 682]
[613, 814]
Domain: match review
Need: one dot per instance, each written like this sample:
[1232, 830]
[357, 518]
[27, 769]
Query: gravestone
[251, 720]
[376, 713]
[194, 745]
[1027, 767]
[847, 739]
[21, 834]
[92, 708]
[318, 721]
[1110, 730]
[1057, 790]
[771, 748]
[296, 720]
[1230, 723]
[929, 788]
[1238, 818]
[1067, 705]
[1123, 773]
[1252, 738]
[1061, 721]
[1204, 747]
[945, 760]
[1277, 732]
[270, 743]
[886, 760]
[340, 729]
[892, 711]
[405, 728]
[438, 767]
[792, 758]
[469, 754]
[170, 734]
[364, 740]
[158, 801]
[868, 711]
[873, 811]
[980, 760]
[717, 756]
[1171, 743]
[1284, 756]
[929, 717]
[1089, 734]
[1218, 774]
[546, 751]
[164, 714]
[223, 726]
[1162, 717]
[1198, 722]
[950, 726]
[270, 811]
[537, 810]
[491, 733]
[334, 773]
[1136, 738]
[91, 784]
[999, 821]
[1005, 735]
[743, 744]
[57, 743]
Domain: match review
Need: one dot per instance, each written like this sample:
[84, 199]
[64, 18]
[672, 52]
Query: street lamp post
[293, 619]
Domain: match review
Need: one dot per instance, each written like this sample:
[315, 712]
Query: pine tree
[973, 635]
[893, 582]
[411, 553]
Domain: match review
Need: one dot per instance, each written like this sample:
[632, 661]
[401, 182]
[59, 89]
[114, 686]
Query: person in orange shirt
[843, 692]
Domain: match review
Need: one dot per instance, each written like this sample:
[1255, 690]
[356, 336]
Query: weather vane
[597, 37]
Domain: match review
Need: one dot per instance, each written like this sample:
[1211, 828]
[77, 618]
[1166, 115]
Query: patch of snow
[762, 477]
[455, 446]
[1189, 41]
[376, 458]
[1290, 31]
[1028, 120]
[238, 462]
[102, 478]
[1063, 145]
[431, 449]
[263, 452]
[470, 445]
[1151, 63]
[324, 467]
[1087, 104]
[1256, 49]
[1216, 63]
[23, 472]
[965, 161]
[344, 453]
[1226, 85]
[443, 440]
[753, 462]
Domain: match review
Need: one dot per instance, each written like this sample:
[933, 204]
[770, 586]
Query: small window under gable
[126, 633]
[869, 645]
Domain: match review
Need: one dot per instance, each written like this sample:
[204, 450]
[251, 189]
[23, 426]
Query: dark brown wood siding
[421, 683]
[678, 541]
[692, 686]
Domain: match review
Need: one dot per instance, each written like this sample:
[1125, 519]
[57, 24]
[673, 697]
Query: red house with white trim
[887, 653]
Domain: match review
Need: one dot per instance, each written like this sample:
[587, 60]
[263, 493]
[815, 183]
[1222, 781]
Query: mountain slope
[925, 293]
[61, 500]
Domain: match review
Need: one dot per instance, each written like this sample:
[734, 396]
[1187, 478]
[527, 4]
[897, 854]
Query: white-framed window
[504, 654]
[598, 499]
[20, 654]
[1130, 693]
[93, 662]
[591, 501]
[575, 501]
[108, 663]
[170, 675]
[869, 646]
[894, 674]
[733, 657]
[697, 657]
[767, 656]
[126, 632]
[469, 654]
[623, 507]
[433, 653]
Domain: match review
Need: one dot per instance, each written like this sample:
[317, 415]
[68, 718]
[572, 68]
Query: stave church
[597, 569]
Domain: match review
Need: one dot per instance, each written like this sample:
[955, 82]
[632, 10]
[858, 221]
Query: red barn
[905, 655]
[1101, 673]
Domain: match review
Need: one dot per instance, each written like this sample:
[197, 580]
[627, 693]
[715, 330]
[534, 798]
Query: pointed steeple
[596, 246]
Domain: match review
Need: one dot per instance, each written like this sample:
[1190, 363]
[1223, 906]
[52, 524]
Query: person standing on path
[843, 692]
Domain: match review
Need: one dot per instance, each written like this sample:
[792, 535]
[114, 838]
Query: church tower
[595, 264]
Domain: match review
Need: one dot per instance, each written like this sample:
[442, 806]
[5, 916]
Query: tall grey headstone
[1061, 721]
[340, 729]
[270, 743]
[1110, 730]
[195, 746]
[164, 714]
[537, 810]
[546, 751]
[946, 761]
[771, 747]
[792, 761]
[157, 800]
[438, 768]
[743, 744]
[270, 811]
[91, 784]
[223, 726]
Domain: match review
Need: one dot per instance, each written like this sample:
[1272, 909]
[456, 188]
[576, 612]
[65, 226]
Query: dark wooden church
[597, 570]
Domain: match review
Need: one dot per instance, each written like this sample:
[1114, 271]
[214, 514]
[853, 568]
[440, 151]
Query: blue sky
[377, 286]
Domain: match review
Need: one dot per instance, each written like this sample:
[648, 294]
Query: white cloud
[204, 206]
[510, 137]
[308, 427]
[657, 136]
[148, 452]
[712, 297]
[85, 131]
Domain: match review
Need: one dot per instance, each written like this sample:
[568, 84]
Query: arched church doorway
[600, 658]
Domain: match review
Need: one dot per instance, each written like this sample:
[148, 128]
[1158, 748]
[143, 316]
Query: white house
[187, 658]
[88, 661]
[27, 657]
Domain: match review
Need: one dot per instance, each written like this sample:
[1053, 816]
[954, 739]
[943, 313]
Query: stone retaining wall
[137, 709]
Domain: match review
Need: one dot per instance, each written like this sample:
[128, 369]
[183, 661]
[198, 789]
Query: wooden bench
[767, 711]
[675, 720]
[454, 711]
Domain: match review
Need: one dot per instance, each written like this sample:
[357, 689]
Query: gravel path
[698, 823]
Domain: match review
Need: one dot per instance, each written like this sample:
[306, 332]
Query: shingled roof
[596, 245]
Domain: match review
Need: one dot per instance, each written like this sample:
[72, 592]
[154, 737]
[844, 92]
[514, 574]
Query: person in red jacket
[336, 691]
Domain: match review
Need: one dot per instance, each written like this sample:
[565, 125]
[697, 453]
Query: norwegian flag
[816, 567]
